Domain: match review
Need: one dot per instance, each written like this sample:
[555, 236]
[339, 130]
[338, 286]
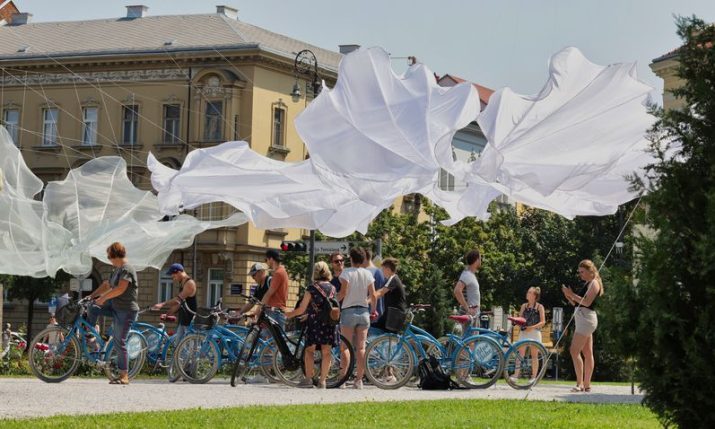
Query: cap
[256, 268]
[175, 268]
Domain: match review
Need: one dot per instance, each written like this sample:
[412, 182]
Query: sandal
[587, 389]
[577, 389]
[119, 381]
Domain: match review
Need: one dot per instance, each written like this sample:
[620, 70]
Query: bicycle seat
[520, 321]
[166, 318]
[463, 318]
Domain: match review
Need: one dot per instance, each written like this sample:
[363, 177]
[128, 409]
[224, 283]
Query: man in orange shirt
[277, 295]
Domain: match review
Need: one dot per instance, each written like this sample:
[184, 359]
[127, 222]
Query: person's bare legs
[345, 356]
[360, 340]
[577, 344]
[325, 350]
[309, 359]
[534, 362]
[589, 362]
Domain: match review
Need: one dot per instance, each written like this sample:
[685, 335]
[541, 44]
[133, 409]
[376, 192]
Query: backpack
[433, 377]
[329, 311]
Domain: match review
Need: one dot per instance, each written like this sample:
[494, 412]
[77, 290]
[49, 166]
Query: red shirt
[279, 285]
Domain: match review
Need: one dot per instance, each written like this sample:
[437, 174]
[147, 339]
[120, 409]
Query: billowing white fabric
[272, 194]
[377, 136]
[80, 216]
[570, 148]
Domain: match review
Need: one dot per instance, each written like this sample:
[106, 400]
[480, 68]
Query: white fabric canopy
[377, 136]
[80, 216]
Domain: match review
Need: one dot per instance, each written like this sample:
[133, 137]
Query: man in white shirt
[467, 288]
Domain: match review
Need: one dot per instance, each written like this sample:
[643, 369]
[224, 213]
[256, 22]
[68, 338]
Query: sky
[495, 43]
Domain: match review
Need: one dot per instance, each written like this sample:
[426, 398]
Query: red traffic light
[294, 246]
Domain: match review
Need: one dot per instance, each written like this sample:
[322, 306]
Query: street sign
[328, 247]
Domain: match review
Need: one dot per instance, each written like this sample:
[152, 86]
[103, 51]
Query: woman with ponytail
[586, 319]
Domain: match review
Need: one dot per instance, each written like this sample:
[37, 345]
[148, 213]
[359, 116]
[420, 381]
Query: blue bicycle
[476, 361]
[160, 345]
[56, 352]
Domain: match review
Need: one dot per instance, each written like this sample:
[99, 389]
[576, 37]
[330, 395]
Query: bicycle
[12, 343]
[160, 345]
[200, 354]
[288, 359]
[524, 360]
[476, 361]
[56, 352]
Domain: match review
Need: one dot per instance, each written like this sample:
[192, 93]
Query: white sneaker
[513, 379]
[358, 384]
[390, 379]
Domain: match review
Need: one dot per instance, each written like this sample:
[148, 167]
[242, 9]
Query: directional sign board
[328, 247]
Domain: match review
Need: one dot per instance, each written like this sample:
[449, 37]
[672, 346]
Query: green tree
[676, 292]
[32, 289]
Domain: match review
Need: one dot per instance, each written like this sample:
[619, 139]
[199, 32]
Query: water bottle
[52, 306]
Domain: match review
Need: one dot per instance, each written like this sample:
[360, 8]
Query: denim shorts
[355, 317]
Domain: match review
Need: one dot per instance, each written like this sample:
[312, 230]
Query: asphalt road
[28, 397]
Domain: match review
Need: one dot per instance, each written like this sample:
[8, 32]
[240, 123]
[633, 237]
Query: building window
[130, 122]
[278, 127]
[172, 118]
[212, 123]
[165, 285]
[235, 128]
[446, 180]
[11, 120]
[215, 286]
[215, 211]
[89, 126]
[49, 127]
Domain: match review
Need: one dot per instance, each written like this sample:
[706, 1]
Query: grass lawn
[413, 414]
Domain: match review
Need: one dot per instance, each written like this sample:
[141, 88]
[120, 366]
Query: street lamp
[306, 64]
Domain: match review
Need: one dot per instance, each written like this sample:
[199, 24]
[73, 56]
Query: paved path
[28, 397]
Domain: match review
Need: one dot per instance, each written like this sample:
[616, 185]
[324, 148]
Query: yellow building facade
[73, 91]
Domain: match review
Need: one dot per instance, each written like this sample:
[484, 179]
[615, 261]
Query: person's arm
[587, 300]
[542, 318]
[113, 293]
[104, 287]
[459, 294]
[379, 293]
[372, 296]
[301, 308]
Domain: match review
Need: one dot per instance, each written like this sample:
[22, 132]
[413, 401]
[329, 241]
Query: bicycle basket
[204, 319]
[395, 320]
[68, 313]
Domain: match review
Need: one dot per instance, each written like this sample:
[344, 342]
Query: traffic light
[294, 246]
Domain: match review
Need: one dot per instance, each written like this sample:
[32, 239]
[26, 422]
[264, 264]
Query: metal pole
[311, 258]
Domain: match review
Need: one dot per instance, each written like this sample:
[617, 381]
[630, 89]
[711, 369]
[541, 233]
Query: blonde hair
[321, 271]
[537, 292]
[588, 265]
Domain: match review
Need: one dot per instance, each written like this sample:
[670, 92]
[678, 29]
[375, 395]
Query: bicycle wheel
[54, 357]
[154, 345]
[243, 357]
[389, 362]
[479, 362]
[169, 348]
[196, 358]
[289, 374]
[265, 361]
[136, 353]
[525, 363]
[339, 372]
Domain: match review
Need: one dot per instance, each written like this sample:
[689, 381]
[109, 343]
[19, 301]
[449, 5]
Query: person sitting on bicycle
[118, 298]
[259, 273]
[319, 332]
[185, 299]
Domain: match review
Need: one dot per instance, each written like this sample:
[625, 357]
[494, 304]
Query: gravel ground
[28, 397]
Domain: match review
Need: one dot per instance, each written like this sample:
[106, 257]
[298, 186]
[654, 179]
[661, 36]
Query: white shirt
[358, 279]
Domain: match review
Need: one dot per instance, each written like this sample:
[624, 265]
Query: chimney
[346, 49]
[227, 11]
[21, 18]
[137, 11]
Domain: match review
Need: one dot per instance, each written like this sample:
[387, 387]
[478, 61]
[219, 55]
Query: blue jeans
[122, 322]
[181, 331]
[277, 315]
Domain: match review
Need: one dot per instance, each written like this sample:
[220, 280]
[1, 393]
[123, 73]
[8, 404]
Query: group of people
[367, 294]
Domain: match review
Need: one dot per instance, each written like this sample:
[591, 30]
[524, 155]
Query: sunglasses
[338, 261]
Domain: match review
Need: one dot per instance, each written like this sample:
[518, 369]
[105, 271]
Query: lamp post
[306, 64]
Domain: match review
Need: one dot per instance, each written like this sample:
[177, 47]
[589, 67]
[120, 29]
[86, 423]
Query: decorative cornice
[20, 79]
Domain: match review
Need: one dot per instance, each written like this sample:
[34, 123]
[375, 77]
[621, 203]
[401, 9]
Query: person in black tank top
[586, 321]
[185, 303]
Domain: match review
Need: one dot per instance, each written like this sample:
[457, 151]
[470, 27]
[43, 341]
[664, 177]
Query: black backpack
[433, 377]
[329, 312]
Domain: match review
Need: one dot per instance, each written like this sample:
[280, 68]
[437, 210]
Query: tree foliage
[676, 292]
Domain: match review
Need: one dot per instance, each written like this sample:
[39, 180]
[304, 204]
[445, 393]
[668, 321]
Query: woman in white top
[357, 291]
